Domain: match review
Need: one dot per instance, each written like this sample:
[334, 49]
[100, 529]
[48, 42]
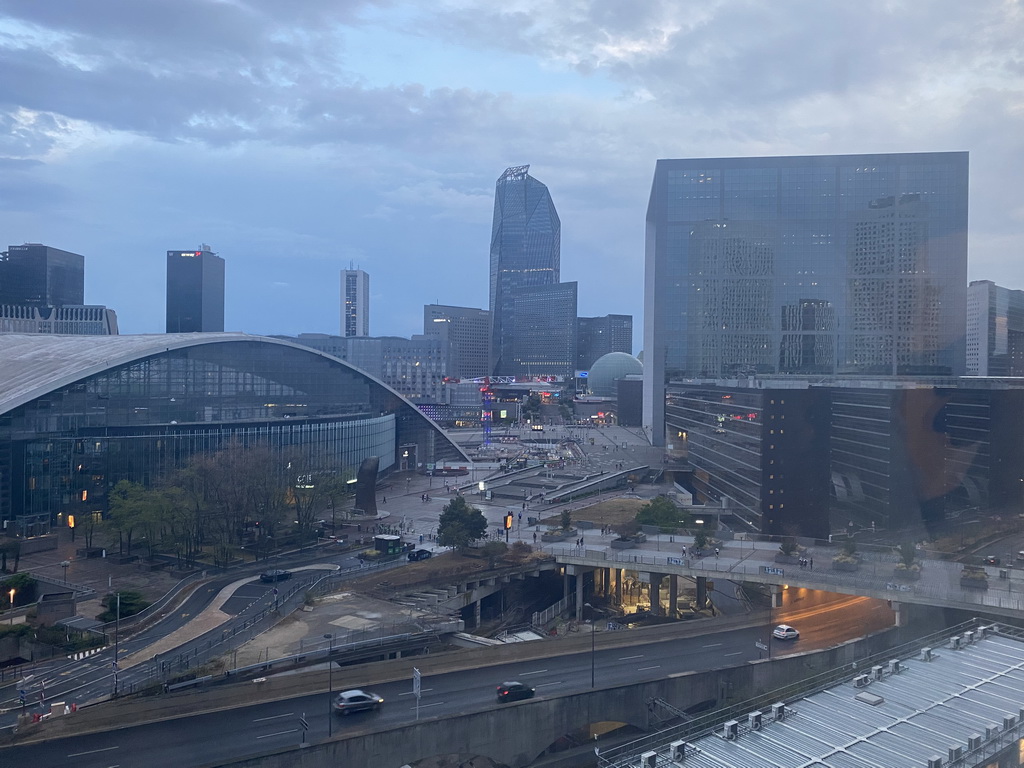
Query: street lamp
[330, 684]
[64, 564]
[11, 594]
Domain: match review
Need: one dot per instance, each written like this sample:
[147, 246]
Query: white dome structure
[610, 368]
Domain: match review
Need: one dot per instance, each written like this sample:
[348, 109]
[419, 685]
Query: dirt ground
[608, 512]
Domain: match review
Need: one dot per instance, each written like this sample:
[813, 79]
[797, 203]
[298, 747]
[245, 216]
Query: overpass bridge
[940, 583]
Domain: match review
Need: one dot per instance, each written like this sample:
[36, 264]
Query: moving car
[356, 701]
[420, 554]
[1020, 555]
[269, 577]
[785, 632]
[514, 691]
[991, 560]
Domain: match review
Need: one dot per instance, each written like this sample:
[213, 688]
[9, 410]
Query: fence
[540, 618]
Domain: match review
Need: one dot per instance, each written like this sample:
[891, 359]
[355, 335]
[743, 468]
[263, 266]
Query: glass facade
[525, 254]
[195, 292]
[821, 265]
[63, 450]
[41, 276]
[544, 331]
[597, 336]
[995, 330]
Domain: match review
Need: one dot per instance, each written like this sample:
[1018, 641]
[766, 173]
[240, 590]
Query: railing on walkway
[540, 618]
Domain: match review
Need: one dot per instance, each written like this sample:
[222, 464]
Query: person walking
[716, 552]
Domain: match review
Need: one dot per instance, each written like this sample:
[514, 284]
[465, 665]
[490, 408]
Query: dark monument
[366, 487]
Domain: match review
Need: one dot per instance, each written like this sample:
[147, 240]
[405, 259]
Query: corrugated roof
[927, 708]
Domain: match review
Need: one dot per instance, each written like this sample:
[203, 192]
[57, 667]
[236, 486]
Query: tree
[130, 505]
[24, 587]
[131, 602]
[663, 513]
[700, 540]
[12, 548]
[460, 524]
[565, 518]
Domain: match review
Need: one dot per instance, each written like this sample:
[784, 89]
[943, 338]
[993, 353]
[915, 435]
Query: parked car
[514, 691]
[991, 560]
[785, 632]
[356, 700]
[269, 577]
[420, 554]
[1020, 555]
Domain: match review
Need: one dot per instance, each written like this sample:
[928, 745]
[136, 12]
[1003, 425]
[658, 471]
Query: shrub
[789, 547]
[132, 602]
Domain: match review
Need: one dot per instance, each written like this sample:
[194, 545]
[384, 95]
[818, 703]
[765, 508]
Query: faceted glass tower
[525, 243]
[836, 265]
[195, 291]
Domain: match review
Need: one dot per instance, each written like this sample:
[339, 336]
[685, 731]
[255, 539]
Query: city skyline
[297, 141]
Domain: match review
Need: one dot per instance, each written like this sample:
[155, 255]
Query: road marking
[272, 717]
[713, 645]
[93, 751]
[412, 693]
[538, 672]
[641, 669]
[279, 733]
[734, 654]
[627, 658]
[544, 685]
[432, 704]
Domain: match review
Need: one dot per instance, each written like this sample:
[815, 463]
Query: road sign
[303, 723]
[416, 677]
[771, 570]
[761, 645]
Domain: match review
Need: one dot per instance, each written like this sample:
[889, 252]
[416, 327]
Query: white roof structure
[951, 707]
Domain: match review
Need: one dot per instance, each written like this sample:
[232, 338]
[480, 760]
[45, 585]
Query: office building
[544, 331]
[597, 336]
[414, 368]
[847, 265]
[195, 291]
[995, 330]
[41, 276]
[465, 336]
[355, 303]
[141, 406]
[525, 254]
[74, 320]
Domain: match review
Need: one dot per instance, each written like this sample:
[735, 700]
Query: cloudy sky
[298, 137]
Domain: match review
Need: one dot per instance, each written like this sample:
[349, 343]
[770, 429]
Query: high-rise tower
[195, 291]
[525, 247]
[355, 302]
[40, 276]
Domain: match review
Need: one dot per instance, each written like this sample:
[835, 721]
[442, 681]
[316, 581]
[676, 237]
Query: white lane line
[538, 672]
[641, 669]
[627, 658]
[411, 693]
[713, 645]
[93, 751]
[544, 685]
[279, 733]
[734, 654]
[432, 704]
[273, 717]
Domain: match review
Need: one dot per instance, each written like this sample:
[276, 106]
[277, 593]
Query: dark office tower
[525, 246]
[195, 291]
[465, 334]
[597, 336]
[827, 265]
[544, 331]
[355, 302]
[41, 276]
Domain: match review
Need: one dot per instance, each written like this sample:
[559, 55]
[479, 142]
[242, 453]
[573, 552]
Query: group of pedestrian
[424, 497]
[606, 530]
[807, 562]
[579, 542]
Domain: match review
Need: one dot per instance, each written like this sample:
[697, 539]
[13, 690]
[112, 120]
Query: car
[991, 560]
[786, 632]
[1020, 555]
[514, 691]
[269, 577]
[420, 554]
[356, 700]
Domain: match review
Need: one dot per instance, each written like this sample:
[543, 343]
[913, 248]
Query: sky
[298, 138]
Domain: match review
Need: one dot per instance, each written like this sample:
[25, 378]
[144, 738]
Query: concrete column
[776, 596]
[673, 595]
[656, 593]
[900, 610]
[579, 596]
[565, 585]
[619, 573]
[702, 592]
[476, 614]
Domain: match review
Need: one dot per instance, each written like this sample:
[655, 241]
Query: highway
[207, 739]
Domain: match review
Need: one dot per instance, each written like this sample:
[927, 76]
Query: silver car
[356, 701]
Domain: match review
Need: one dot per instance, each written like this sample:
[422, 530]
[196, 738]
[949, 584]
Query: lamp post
[117, 637]
[11, 595]
[64, 564]
[330, 684]
[590, 610]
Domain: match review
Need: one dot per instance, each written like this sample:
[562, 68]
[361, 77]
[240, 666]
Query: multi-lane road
[247, 730]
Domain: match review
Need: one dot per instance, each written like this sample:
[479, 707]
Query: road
[210, 738]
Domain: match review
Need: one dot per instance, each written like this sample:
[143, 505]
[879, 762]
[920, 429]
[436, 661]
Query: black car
[991, 560]
[269, 577]
[420, 554]
[513, 691]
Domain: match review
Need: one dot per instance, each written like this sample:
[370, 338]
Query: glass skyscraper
[525, 243]
[41, 276]
[195, 291]
[838, 265]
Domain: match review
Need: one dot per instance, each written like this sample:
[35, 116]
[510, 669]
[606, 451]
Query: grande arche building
[80, 413]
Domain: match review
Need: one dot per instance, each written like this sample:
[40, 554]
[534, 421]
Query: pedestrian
[684, 550]
[716, 551]
[534, 537]
[811, 562]
[383, 499]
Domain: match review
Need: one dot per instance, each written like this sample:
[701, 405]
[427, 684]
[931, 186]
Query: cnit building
[805, 341]
[78, 414]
